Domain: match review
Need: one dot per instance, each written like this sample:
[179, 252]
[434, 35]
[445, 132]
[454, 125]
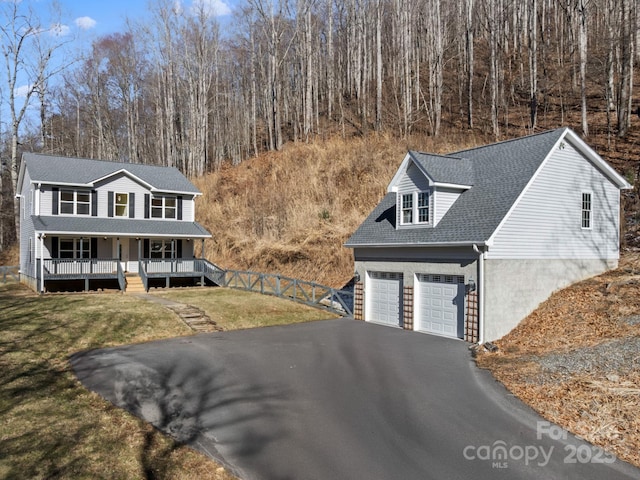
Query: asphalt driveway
[339, 399]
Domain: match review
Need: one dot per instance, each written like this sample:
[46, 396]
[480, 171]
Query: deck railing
[80, 268]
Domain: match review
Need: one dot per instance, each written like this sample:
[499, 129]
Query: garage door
[383, 298]
[440, 305]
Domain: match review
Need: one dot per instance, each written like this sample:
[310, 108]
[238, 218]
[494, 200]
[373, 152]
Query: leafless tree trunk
[27, 48]
[626, 58]
[469, 59]
[533, 62]
[582, 47]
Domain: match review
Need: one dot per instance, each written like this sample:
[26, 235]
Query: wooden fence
[339, 301]
[8, 274]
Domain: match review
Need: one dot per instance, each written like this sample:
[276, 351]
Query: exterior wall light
[471, 286]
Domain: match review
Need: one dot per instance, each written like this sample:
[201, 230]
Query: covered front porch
[95, 274]
[73, 254]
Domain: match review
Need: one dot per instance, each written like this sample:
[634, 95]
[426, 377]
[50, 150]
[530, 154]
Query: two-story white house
[88, 223]
[467, 244]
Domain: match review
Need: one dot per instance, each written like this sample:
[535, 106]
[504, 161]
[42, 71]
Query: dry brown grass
[10, 256]
[290, 212]
[549, 360]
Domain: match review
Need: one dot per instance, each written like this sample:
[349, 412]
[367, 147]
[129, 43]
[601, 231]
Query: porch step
[134, 284]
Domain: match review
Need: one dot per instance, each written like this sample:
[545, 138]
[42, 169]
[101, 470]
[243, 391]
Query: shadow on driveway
[338, 399]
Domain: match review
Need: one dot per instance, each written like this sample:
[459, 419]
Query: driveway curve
[339, 399]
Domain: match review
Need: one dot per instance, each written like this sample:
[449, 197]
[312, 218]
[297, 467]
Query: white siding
[546, 223]
[26, 225]
[121, 184]
[443, 199]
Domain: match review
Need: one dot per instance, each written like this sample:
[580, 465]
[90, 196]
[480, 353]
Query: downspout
[480, 294]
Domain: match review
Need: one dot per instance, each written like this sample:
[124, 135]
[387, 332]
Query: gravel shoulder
[576, 359]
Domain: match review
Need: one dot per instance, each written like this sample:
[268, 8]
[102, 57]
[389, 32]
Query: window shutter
[132, 205]
[94, 203]
[55, 201]
[179, 207]
[110, 204]
[54, 247]
[145, 248]
[94, 247]
[147, 205]
[179, 248]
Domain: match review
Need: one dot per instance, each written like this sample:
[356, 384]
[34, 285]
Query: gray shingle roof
[118, 226]
[499, 173]
[445, 168]
[83, 171]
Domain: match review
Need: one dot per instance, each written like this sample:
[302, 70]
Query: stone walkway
[194, 317]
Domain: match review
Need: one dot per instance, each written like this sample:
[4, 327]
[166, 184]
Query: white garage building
[467, 244]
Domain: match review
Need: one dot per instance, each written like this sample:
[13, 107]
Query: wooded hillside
[187, 89]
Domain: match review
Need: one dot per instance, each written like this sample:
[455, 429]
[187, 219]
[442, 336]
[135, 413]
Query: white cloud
[21, 92]
[59, 30]
[85, 23]
[216, 8]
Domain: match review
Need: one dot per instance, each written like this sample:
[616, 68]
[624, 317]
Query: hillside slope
[290, 212]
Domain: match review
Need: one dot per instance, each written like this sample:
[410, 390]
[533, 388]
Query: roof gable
[499, 174]
[438, 169]
[60, 170]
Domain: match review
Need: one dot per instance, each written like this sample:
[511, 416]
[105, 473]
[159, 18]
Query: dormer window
[415, 208]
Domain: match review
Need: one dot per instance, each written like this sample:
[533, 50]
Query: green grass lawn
[52, 427]
[235, 309]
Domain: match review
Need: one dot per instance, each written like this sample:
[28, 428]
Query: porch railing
[79, 268]
[179, 267]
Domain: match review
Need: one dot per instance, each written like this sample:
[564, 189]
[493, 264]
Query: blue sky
[88, 20]
[92, 18]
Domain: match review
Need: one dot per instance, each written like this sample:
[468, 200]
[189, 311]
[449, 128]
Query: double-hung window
[423, 207]
[407, 208]
[587, 210]
[75, 248]
[163, 207]
[74, 202]
[415, 208]
[122, 204]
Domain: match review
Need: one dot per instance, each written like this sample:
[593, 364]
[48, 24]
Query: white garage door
[383, 298]
[440, 305]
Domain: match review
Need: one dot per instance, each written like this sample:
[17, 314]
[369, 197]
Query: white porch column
[42, 263]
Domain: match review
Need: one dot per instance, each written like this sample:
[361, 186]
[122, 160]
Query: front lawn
[235, 309]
